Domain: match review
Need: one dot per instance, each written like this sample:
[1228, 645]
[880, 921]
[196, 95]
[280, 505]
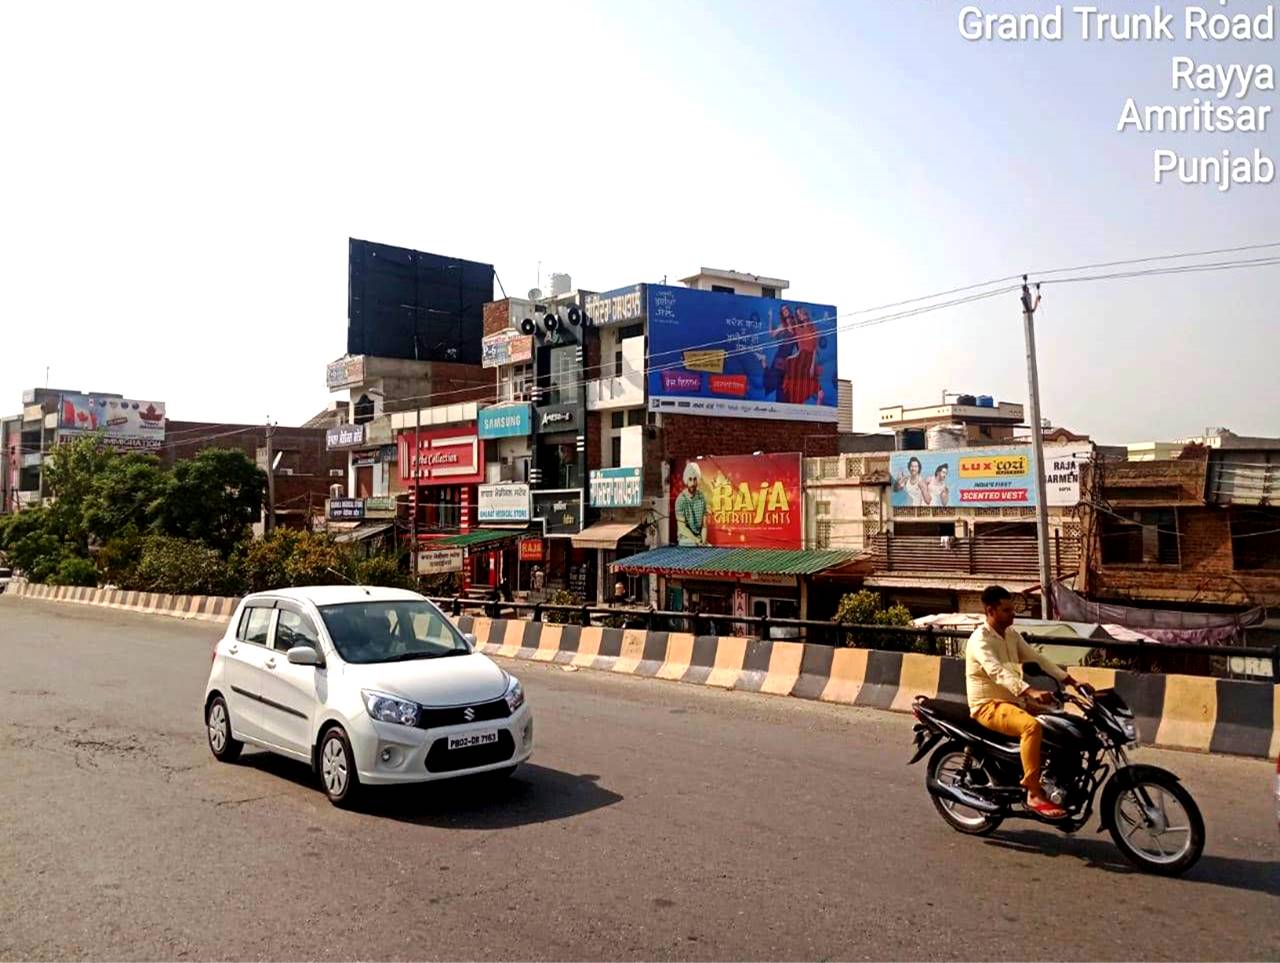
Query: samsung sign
[505, 421]
[615, 488]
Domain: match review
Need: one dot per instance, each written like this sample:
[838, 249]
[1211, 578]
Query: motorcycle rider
[998, 697]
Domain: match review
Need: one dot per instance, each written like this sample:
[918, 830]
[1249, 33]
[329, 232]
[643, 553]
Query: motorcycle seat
[957, 714]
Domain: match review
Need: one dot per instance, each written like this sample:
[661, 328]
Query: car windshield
[391, 631]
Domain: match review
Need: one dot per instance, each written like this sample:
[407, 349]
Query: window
[615, 451]
[822, 508]
[1147, 536]
[723, 289]
[768, 292]
[254, 624]
[564, 375]
[617, 419]
[824, 533]
[631, 331]
[1255, 538]
[295, 629]
[617, 363]
[635, 416]
[381, 631]
[363, 410]
[515, 383]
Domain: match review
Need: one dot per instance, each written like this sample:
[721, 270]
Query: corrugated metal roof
[735, 561]
[470, 539]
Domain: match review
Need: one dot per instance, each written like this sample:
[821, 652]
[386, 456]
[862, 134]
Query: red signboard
[441, 456]
[737, 501]
[531, 550]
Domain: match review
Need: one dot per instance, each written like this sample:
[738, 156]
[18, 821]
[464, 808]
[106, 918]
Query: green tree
[125, 497]
[387, 571]
[70, 474]
[213, 498]
[30, 541]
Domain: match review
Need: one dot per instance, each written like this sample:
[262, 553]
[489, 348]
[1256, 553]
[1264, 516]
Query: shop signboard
[738, 501]
[531, 550]
[503, 502]
[123, 423]
[621, 306]
[505, 347]
[978, 477]
[380, 506]
[344, 372]
[560, 511]
[438, 561]
[714, 353]
[505, 421]
[346, 509]
[344, 436]
[615, 488]
[441, 456]
[550, 419]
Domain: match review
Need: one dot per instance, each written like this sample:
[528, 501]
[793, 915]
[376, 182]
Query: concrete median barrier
[1173, 711]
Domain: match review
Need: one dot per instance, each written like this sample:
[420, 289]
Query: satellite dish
[527, 326]
[535, 294]
[575, 316]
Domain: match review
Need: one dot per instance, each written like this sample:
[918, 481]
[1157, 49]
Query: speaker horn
[527, 326]
[551, 322]
[574, 316]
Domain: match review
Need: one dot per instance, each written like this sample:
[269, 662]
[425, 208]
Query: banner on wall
[503, 502]
[738, 501]
[123, 423]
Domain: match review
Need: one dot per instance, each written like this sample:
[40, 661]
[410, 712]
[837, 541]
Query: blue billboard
[504, 421]
[713, 353]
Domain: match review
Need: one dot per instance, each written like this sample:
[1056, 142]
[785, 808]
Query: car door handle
[234, 649]
[271, 663]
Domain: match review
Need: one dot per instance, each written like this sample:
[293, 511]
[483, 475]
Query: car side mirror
[304, 655]
[470, 637]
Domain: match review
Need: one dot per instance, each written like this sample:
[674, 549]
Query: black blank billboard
[414, 305]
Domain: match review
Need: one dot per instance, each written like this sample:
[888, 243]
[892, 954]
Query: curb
[1172, 711]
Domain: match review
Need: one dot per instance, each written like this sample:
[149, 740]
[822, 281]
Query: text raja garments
[742, 501]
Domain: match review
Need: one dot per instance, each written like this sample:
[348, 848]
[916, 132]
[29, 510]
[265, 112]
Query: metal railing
[1139, 656]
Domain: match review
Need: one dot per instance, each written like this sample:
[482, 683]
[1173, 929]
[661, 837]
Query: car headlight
[515, 693]
[387, 708]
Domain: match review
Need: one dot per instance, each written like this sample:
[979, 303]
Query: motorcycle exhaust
[963, 797]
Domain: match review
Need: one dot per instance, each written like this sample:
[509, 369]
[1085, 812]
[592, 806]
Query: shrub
[315, 560]
[118, 559]
[262, 564]
[73, 570]
[176, 566]
[384, 570]
[862, 609]
[562, 597]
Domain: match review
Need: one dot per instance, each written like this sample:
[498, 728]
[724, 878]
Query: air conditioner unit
[337, 473]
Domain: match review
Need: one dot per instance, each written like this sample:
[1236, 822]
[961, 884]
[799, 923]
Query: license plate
[471, 739]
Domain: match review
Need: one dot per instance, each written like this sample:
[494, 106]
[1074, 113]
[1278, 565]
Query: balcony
[1012, 556]
[624, 392]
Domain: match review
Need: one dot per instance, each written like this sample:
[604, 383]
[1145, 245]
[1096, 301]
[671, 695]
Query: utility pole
[1037, 446]
[269, 523]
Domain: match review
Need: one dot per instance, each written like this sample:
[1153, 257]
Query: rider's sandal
[1046, 809]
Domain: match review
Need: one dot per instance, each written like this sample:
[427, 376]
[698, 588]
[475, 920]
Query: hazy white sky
[180, 183]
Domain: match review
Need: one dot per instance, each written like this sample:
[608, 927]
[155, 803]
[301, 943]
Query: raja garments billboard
[737, 501]
[712, 353]
[441, 456]
[974, 477]
[124, 424]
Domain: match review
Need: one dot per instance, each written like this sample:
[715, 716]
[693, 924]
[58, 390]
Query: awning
[603, 534]
[361, 532]
[486, 536]
[974, 583]
[745, 562]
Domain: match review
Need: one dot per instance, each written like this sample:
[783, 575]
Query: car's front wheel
[225, 747]
[338, 768]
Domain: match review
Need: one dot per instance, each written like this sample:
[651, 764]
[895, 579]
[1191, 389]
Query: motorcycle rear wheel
[945, 766]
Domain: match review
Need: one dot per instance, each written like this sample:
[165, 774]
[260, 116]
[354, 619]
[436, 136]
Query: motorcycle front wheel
[1157, 825]
[946, 765]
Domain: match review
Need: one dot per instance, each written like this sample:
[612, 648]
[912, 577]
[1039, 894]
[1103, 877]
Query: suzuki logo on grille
[469, 714]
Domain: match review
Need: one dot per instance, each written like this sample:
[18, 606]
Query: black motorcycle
[974, 776]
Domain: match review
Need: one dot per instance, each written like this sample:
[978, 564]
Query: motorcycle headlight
[515, 693]
[386, 708]
[1129, 729]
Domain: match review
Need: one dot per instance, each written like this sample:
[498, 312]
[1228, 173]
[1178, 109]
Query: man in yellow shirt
[998, 696]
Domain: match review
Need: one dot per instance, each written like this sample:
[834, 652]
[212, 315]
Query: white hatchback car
[367, 685]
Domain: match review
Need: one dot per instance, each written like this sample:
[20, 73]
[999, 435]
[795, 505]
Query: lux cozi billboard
[977, 477]
[737, 501]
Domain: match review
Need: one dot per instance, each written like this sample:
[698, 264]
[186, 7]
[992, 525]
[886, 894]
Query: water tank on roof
[942, 437]
[911, 439]
[969, 400]
[986, 401]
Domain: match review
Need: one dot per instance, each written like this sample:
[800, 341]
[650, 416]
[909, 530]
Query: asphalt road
[657, 821]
